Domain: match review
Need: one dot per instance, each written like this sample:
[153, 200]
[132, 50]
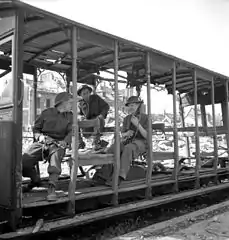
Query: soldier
[134, 141]
[52, 134]
[92, 106]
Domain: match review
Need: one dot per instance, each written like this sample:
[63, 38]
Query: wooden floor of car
[89, 189]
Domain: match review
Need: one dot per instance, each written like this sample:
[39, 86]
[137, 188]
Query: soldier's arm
[38, 125]
[68, 138]
[142, 128]
[124, 125]
[104, 106]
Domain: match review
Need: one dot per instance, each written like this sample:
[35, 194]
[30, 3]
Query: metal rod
[214, 128]
[227, 113]
[175, 131]
[149, 134]
[75, 140]
[18, 88]
[197, 137]
[117, 130]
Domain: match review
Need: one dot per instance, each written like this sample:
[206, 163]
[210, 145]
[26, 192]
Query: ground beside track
[110, 228]
[208, 223]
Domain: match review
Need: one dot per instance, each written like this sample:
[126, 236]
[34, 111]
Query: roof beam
[48, 48]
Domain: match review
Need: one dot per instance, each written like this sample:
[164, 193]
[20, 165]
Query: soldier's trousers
[33, 155]
[87, 132]
[128, 153]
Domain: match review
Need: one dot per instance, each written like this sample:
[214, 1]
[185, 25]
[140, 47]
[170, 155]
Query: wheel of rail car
[136, 172]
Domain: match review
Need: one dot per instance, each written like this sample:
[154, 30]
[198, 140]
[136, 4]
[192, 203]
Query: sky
[194, 30]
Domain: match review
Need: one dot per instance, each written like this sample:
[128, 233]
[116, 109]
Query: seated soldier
[134, 141]
[92, 106]
[52, 134]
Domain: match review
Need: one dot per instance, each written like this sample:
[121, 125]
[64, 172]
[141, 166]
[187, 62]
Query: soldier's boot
[96, 144]
[82, 144]
[28, 187]
[52, 196]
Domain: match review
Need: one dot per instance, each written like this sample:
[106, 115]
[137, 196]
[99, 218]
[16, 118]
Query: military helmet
[133, 99]
[62, 97]
[84, 87]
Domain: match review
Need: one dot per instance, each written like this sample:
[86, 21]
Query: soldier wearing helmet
[134, 140]
[92, 106]
[52, 134]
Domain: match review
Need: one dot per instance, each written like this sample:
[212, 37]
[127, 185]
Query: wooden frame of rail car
[81, 49]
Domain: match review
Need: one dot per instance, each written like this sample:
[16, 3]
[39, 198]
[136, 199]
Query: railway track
[116, 225]
[194, 225]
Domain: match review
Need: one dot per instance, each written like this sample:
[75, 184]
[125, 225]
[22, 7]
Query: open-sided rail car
[32, 39]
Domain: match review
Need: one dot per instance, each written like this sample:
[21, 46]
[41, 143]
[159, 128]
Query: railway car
[32, 39]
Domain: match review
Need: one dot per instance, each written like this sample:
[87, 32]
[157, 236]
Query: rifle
[127, 140]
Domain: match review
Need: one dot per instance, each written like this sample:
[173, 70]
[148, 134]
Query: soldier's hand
[63, 144]
[135, 121]
[41, 139]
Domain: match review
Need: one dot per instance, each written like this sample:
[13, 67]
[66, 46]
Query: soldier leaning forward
[52, 134]
[92, 106]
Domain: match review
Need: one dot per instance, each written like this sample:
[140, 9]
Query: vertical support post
[35, 78]
[75, 140]
[17, 66]
[203, 115]
[227, 113]
[214, 129]
[117, 131]
[197, 137]
[187, 145]
[149, 134]
[175, 131]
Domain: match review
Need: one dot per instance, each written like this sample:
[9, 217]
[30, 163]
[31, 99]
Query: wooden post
[203, 115]
[214, 129]
[175, 131]
[227, 113]
[149, 134]
[117, 130]
[197, 137]
[187, 145]
[75, 140]
[18, 88]
[35, 95]
[35, 78]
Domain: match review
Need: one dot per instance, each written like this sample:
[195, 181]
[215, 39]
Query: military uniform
[130, 151]
[95, 107]
[56, 126]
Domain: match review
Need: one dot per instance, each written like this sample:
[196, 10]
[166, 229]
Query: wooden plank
[216, 160]
[201, 129]
[187, 144]
[91, 192]
[150, 157]
[163, 155]
[115, 177]
[175, 131]
[227, 113]
[18, 87]
[155, 126]
[75, 129]
[197, 137]
[113, 211]
[89, 123]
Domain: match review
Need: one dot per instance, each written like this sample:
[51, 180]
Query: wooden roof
[47, 44]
